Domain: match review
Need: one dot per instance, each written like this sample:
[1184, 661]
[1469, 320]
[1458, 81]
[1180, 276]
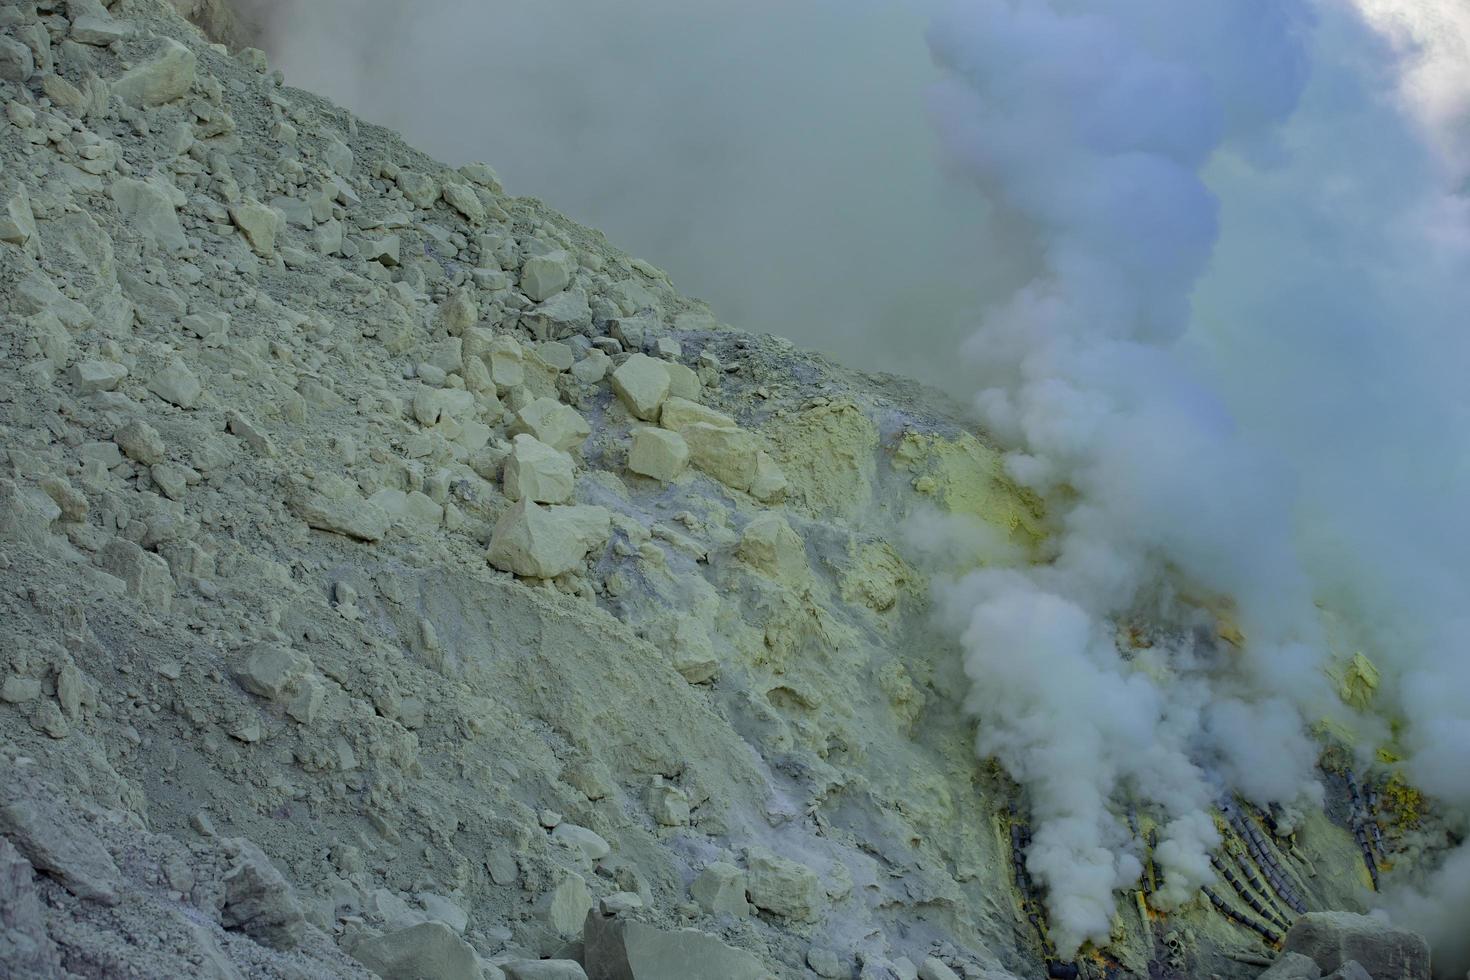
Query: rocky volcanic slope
[394, 573]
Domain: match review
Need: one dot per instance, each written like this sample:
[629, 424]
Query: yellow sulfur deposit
[965, 476]
[1358, 682]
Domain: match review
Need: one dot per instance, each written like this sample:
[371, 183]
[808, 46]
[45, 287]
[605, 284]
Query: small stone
[565, 907]
[592, 368]
[535, 471]
[17, 222]
[642, 382]
[544, 970]
[620, 902]
[17, 64]
[385, 251]
[167, 75]
[97, 29]
[933, 968]
[465, 201]
[149, 211]
[418, 188]
[342, 513]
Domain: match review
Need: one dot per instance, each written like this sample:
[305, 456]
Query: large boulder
[429, 949]
[543, 542]
[168, 74]
[616, 948]
[1387, 952]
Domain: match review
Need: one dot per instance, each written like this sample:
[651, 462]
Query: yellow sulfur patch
[1358, 682]
[965, 476]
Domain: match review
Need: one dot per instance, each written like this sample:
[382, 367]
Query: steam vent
[399, 579]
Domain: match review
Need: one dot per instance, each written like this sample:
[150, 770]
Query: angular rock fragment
[25, 948]
[617, 948]
[559, 426]
[53, 842]
[543, 542]
[544, 970]
[168, 74]
[259, 902]
[429, 949]
[259, 224]
[536, 472]
[342, 512]
[1331, 939]
[145, 574]
[642, 382]
[782, 886]
[268, 670]
[720, 890]
[149, 210]
[542, 276]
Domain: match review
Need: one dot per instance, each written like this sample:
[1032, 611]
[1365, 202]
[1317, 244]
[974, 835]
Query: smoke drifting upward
[1234, 358]
[772, 155]
[1225, 286]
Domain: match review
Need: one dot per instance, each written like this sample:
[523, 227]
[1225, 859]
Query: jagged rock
[145, 574]
[89, 377]
[177, 385]
[734, 457]
[720, 890]
[562, 315]
[536, 472]
[642, 383]
[769, 544]
[441, 909]
[542, 276]
[429, 949]
[411, 507]
[140, 442]
[679, 413]
[564, 908]
[1351, 970]
[544, 542]
[97, 28]
[592, 368]
[149, 209]
[782, 886]
[559, 426]
[587, 843]
[17, 222]
[259, 902]
[26, 515]
[53, 842]
[25, 948]
[341, 512]
[168, 74]
[1333, 938]
[17, 64]
[668, 804]
[259, 224]
[824, 962]
[933, 968]
[544, 970]
[1292, 966]
[465, 201]
[418, 188]
[268, 670]
[616, 948]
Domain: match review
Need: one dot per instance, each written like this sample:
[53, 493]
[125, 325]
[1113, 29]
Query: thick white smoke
[1239, 354]
[1225, 289]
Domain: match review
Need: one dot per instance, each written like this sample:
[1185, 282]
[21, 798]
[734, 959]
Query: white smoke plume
[1238, 355]
[1226, 287]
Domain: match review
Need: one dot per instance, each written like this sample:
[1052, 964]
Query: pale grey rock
[667, 803]
[259, 224]
[149, 209]
[176, 384]
[588, 843]
[93, 376]
[259, 902]
[544, 970]
[145, 574]
[96, 29]
[617, 948]
[465, 201]
[537, 472]
[54, 842]
[562, 315]
[269, 670]
[419, 952]
[25, 948]
[441, 909]
[140, 442]
[642, 382]
[720, 890]
[542, 276]
[17, 63]
[1292, 966]
[658, 454]
[933, 968]
[543, 542]
[824, 962]
[168, 74]
[418, 188]
[565, 907]
[345, 513]
[17, 221]
[559, 426]
[1387, 952]
[781, 886]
